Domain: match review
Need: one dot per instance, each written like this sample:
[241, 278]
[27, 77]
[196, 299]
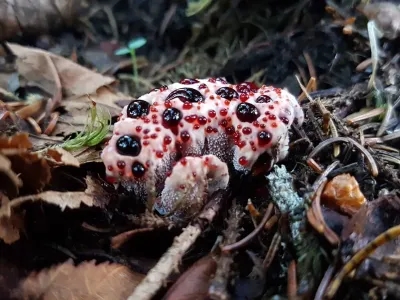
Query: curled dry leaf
[370, 221]
[85, 281]
[36, 16]
[343, 193]
[38, 66]
[77, 108]
[32, 168]
[17, 141]
[9, 181]
[194, 283]
[61, 157]
[94, 195]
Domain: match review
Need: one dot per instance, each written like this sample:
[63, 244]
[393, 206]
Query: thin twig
[243, 242]
[371, 162]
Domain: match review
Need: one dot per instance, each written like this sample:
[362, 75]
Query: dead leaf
[60, 157]
[118, 240]
[88, 154]
[38, 66]
[9, 181]
[87, 281]
[11, 212]
[17, 141]
[77, 108]
[32, 168]
[194, 283]
[370, 221]
[36, 16]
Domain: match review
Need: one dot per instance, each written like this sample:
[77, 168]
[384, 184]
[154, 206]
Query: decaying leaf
[17, 141]
[77, 109]
[37, 16]
[11, 213]
[343, 193]
[32, 168]
[370, 221]
[39, 66]
[194, 283]
[60, 157]
[85, 281]
[9, 181]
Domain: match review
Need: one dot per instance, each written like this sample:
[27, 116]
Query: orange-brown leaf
[194, 283]
[87, 281]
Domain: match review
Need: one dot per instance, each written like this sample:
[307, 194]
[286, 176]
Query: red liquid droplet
[264, 137]
[246, 130]
[187, 105]
[167, 140]
[121, 164]
[243, 161]
[185, 136]
[212, 113]
[202, 120]
[159, 154]
[223, 112]
[191, 118]
[244, 97]
[230, 130]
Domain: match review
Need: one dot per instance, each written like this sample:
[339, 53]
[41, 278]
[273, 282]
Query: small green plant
[195, 7]
[96, 129]
[131, 49]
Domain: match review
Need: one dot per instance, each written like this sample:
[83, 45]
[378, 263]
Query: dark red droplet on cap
[263, 99]
[189, 81]
[185, 136]
[227, 93]
[137, 109]
[128, 145]
[247, 87]
[171, 117]
[186, 95]
[247, 112]
[138, 169]
[222, 80]
[264, 137]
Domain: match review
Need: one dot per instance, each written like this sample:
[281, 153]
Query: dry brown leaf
[87, 281]
[11, 212]
[193, 284]
[371, 220]
[32, 168]
[77, 109]
[17, 141]
[9, 181]
[36, 16]
[88, 154]
[61, 157]
[37, 66]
